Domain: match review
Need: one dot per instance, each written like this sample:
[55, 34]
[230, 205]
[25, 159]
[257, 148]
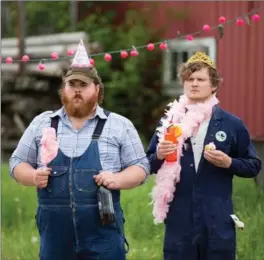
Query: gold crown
[201, 57]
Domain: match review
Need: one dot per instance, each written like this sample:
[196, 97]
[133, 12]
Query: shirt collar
[98, 112]
[61, 113]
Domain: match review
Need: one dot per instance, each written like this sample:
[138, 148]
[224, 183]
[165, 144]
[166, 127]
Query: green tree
[41, 17]
[132, 86]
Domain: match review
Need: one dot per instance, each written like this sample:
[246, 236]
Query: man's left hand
[108, 179]
[218, 158]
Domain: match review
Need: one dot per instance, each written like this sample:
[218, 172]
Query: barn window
[179, 52]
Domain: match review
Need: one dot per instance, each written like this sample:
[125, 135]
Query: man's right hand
[164, 148]
[41, 177]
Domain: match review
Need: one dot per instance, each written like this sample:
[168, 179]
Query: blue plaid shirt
[119, 144]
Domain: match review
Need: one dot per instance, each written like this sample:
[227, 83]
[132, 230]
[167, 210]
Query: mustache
[77, 95]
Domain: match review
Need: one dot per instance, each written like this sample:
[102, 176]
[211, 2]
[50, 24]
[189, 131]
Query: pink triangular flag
[81, 58]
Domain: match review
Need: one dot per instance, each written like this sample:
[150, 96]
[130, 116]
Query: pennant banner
[81, 58]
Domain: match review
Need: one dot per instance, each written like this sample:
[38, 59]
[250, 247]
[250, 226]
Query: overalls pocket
[221, 227]
[57, 180]
[84, 181]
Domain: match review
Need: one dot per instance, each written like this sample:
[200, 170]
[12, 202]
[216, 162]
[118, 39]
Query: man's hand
[108, 179]
[218, 158]
[164, 148]
[41, 177]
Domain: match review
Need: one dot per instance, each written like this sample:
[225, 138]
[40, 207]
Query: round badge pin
[220, 136]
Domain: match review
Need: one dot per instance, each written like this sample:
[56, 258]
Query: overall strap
[54, 123]
[99, 127]
[97, 132]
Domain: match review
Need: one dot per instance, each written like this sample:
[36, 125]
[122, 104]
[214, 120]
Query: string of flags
[134, 51]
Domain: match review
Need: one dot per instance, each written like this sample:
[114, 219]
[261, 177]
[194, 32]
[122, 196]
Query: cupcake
[210, 147]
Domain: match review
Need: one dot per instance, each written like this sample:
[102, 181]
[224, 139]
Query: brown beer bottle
[106, 207]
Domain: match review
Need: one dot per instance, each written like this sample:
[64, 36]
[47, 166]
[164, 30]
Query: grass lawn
[20, 239]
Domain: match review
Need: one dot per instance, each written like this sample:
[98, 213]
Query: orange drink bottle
[172, 133]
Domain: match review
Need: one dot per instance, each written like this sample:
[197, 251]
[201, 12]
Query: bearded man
[96, 148]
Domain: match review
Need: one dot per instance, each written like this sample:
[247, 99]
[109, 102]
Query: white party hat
[81, 58]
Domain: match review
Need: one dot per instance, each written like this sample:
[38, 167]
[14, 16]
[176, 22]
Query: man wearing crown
[95, 154]
[196, 151]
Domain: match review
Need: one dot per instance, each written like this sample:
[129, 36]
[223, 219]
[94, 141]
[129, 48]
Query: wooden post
[73, 13]
[21, 33]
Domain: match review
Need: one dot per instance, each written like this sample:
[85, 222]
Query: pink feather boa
[169, 174]
[49, 146]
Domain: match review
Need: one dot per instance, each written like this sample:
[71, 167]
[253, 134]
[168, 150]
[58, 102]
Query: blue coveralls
[198, 225]
[68, 217]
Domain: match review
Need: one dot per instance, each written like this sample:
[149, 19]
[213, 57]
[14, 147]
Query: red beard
[77, 106]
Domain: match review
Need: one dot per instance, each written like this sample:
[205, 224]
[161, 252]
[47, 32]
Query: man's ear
[214, 89]
[98, 88]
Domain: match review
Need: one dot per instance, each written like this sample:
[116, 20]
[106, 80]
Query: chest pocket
[58, 180]
[224, 148]
[223, 140]
[84, 181]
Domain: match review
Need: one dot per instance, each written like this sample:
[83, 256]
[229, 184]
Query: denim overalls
[68, 217]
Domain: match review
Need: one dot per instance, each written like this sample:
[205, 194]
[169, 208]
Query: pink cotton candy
[49, 146]
[169, 174]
